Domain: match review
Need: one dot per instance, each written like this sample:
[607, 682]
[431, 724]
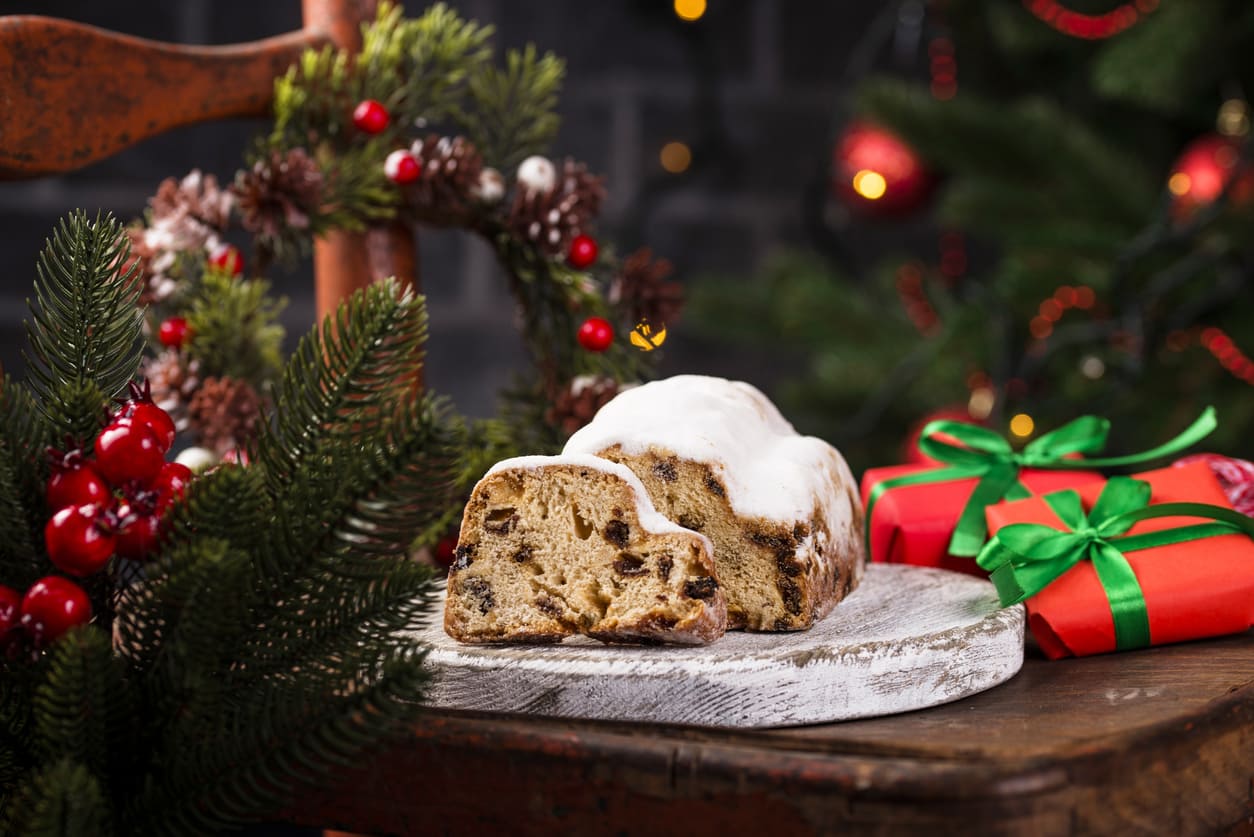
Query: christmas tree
[1093, 199]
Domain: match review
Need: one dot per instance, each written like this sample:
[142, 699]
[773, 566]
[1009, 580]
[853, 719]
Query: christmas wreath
[421, 127]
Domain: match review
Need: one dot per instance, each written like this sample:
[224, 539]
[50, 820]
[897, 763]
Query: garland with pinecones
[421, 127]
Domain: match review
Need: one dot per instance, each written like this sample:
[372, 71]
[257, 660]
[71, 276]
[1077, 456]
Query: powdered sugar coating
[650, 519]
[769, 470]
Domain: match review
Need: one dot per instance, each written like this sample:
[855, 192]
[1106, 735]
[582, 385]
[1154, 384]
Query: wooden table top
[1158, 741]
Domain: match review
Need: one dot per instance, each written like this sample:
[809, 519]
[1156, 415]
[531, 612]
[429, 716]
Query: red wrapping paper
[1192, 590]
[912, 524]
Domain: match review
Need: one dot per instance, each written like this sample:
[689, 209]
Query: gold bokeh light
[689, 9]
[676, 157]
[869, 184]
[1022, 425]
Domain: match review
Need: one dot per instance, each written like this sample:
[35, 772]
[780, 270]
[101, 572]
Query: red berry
[170, 484]
[138, 533]
[147, 414]
[74, 482]
[596, 334]
[10, 602]
[402, 167]
[128, 452]
[228, 259]
[53, 605]
[371, 117]
[444, 550]
[174, 332]
[78, 540]
[582, 253]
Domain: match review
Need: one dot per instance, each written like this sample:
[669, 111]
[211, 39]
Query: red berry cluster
[50, 607]
[112, 504]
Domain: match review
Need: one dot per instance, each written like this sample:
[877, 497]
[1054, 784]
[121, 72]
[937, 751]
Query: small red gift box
[912, 524]
[1195, 589]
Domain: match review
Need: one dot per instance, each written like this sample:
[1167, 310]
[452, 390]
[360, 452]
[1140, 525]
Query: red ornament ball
[127, 452]
[596, 334]
[74, 482]
[583, 252]
[79, 539]
[877, 174]
[228, 259]
[174, 332]
[370, 117]
[149, 415]
[401, 167]
[52, 606]
[1202, 171]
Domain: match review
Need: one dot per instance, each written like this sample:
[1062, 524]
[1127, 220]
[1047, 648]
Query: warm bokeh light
[1179, 184]
[675, 157]
[870, 184]
[689, 9]
[980, 404]
[1022, 425]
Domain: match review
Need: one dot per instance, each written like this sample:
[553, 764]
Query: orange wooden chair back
[76, 94]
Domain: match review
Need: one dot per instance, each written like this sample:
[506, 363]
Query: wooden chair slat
[74, 94]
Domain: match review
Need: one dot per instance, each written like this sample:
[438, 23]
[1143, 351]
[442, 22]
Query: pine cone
[224, 413]
[642, 285]
[279, 193]
[197, 195]
[443, 193]
[575, 406]
[551, 219]
[174, 379]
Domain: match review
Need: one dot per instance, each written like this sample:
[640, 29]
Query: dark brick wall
[771, 67]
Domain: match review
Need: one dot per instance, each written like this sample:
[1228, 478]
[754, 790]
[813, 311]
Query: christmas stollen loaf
[552, 546]
[782, 510]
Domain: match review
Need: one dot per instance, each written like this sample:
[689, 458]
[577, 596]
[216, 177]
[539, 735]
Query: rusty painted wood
[1157, 741]
[74, 94]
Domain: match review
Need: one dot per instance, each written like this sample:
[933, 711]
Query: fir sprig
[235, 328]
[86, 333]
[515, 107]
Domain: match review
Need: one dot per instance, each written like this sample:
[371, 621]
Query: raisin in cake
[717, 457]
[552, 546]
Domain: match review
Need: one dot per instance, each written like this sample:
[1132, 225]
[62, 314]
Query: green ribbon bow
[984, 454]
[1025, 558]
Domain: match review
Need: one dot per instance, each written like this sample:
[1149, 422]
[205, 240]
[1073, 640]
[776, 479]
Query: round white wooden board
[907, 638]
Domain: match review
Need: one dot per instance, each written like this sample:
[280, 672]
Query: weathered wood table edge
[1159, 741]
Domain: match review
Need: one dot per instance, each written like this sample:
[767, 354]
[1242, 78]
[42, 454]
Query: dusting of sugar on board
[908, 638]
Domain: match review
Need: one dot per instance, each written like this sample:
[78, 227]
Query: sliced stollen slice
[552, 546]
[782, 510]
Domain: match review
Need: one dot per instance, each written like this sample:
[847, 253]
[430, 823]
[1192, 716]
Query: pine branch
[235, 328]
[85, 334]
[84, 709]
[419, 68]
[514, 112]
[341, 376]
[22, 473]
[252, 767]
[63, 800]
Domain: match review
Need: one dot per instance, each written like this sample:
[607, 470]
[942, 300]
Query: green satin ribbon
[1025, 558]
[987, 456]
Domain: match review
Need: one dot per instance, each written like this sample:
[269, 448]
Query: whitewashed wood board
[907, 638]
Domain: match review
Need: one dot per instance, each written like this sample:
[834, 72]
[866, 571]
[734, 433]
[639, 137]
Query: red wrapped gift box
[1192, 590]
[912, 524]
